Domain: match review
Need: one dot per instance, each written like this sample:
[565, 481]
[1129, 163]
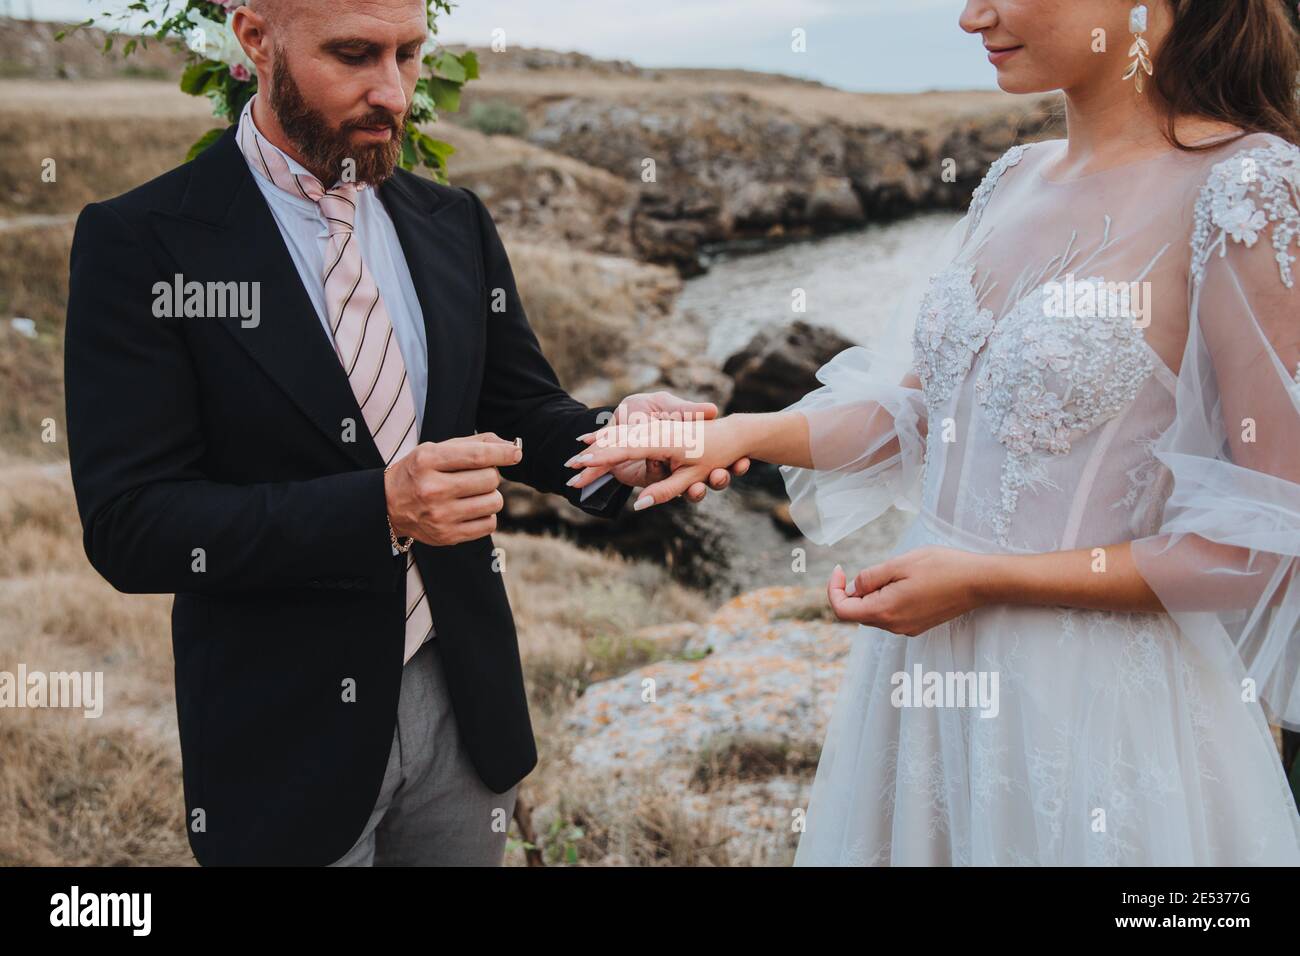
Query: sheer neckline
[1172, 153]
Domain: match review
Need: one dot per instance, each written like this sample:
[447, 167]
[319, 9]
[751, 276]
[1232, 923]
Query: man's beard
[324, 149]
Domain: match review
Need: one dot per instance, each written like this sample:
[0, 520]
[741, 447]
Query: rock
[784, 521]
[670, 638]
[542, 197]
[758, 206]
[670, 229]
[690, 542]
[833, 200]
[778, 367]
[732, 163]
[764, 676]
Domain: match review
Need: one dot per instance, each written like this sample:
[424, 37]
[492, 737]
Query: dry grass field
[107, 790]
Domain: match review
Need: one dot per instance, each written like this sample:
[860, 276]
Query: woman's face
[1041, 45]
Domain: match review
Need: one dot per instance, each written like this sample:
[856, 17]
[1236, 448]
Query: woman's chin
[1009, 82]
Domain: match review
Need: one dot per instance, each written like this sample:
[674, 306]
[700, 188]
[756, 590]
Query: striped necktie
[363, 338]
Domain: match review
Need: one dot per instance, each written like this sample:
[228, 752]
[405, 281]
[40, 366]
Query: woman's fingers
[871, 579]
[856, 600]
[740, 467]
[668, 489]
[835, 589]
[616, 449]
[839, 590]
[585, 477]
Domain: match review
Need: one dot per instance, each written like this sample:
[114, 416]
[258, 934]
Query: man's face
[342, 81]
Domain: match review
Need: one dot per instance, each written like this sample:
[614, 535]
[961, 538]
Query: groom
[285, 387]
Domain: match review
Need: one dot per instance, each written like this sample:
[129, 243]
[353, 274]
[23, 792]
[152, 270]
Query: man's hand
[665, 405]
[445, 493]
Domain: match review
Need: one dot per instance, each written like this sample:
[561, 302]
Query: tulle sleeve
[1224, 561]
[866, 426]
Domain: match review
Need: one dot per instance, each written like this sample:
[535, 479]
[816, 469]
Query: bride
[1094, 410]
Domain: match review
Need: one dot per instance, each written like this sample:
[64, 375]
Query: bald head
[271, 10]
[340, 85]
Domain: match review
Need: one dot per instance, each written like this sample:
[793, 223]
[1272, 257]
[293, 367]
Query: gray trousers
[433, 810]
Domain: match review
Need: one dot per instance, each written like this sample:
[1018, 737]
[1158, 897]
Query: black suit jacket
[210, 461]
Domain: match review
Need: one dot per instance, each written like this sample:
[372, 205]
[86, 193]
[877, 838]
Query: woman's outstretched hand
[911, 593]
[651, 406]
[691, 451]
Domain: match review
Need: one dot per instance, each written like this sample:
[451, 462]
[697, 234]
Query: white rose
[216, 41]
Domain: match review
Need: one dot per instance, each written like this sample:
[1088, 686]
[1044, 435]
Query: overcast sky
[884, 45]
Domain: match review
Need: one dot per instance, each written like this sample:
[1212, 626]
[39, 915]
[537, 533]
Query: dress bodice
[1047, 350]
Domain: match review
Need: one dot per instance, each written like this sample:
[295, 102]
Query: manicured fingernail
[853, 583]
[582, 459]
[570, 462]
[645, 501]
[586, 437]
[574, 480]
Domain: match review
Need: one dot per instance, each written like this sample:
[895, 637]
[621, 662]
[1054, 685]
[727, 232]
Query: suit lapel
[443, 268]
[225, 231]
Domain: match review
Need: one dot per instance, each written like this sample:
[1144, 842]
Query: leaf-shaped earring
[1141, 49]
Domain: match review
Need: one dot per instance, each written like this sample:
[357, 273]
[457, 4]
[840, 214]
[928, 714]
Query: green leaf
[409, 155]
[216, 77]
[434, 152]
[60, 35]
[446, 94]
[203, 142]
[469, 60]
[450, 67]
[194, 78]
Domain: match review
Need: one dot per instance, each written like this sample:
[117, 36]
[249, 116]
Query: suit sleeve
[153, 522]
[521, 395]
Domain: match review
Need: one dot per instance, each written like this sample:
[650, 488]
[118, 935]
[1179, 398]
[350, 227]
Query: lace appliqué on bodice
[1043, 382]
[1048, 380]
[1243, 195]
[951, 326]
[950, 329]
[984, 191]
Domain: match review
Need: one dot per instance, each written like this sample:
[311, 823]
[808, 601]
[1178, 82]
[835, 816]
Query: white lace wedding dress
[1013, 416]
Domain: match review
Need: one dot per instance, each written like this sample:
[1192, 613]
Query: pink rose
[240, 72]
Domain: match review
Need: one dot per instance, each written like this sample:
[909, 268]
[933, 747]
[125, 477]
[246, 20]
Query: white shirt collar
[295, 167]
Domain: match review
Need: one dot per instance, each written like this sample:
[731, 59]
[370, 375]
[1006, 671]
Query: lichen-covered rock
[768, 665]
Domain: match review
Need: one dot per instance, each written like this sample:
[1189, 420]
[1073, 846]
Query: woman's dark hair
[1237, 61]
